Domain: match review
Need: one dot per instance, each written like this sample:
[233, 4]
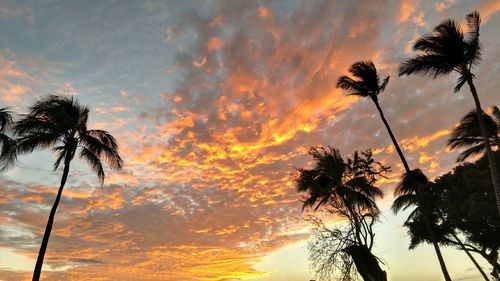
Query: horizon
[214, 105]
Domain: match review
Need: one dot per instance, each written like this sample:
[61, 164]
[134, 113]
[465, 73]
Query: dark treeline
[346, 189]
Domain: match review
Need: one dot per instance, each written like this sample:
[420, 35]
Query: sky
[214, 105]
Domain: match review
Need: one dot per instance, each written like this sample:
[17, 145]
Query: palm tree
[367, 83]
[348, 188]
[7, 144]
[468, 134]
[445, 50]
[60, 123]
[406, 198]
[334, 179]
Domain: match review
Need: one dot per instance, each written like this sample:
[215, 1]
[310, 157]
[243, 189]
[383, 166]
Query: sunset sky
[214, 105]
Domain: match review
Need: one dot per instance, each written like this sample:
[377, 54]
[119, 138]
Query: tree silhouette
[7, 143]
[468, 134]
[475, 218]
[406, 198]
[445, 50]
[346, 189]
[367, 83]
[60, 123]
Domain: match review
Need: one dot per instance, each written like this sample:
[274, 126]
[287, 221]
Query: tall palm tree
[367, 83]
[7, 143]
[406, 198]
[447, 49]
[348, 187]
[468, 134]
[60, 123]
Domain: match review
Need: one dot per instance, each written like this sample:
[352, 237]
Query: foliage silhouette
[60, 123]
[406, 198]
[475, 218]
[447, 49]
[367, 83]
[468, 134]
[7, 143]
[344, 189]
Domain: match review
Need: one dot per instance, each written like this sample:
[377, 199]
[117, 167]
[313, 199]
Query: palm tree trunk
[487, 144]
[366, 263]
[428, 226]
[50, 222]
[462, 246]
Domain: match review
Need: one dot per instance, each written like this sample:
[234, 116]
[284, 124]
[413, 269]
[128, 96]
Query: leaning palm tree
[347, 188]
[7, 143]
[367, 83]
[468, 134]
[60, 123]
[448, 49]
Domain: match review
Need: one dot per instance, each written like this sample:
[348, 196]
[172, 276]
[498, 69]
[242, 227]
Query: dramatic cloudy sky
[214, 104]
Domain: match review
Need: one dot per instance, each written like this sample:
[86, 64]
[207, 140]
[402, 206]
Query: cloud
[214, 105]
[14, 82]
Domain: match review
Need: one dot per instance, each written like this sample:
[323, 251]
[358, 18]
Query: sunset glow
[214, 105]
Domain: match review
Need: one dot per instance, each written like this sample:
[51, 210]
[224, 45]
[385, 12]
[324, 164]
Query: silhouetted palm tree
[406, 198]
[7, 144]
[367, 83]
[333, 179]
[60, 123]
[445, 50]
[348, 187]
[468, 134]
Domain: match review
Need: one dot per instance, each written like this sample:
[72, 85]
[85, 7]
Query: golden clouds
[416, 143]
[13, 80]
[211, 150]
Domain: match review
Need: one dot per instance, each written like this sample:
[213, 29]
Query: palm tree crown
[347, 183]
[60, 123]
[406, 191]
[7, 144]
[468, 133]
[447, 49]
[366, 81]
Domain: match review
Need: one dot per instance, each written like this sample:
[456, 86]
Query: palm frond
[433, 65]
[464, 141]
[60, 152]
[468, 134]
[384, 83]
[8, 154]
[94, 162]
[35, 124]
[103, 145]
[460, 82]
[105, 137]
[363, 185]
[403, 202]
[354, 87]
[35, 141]
[470, 152]
[6, 119]
[473, 47]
